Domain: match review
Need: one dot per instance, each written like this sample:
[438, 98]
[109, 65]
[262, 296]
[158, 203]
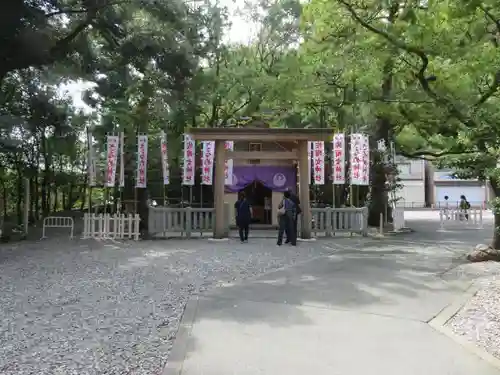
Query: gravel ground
[479, 319]
[85, 307]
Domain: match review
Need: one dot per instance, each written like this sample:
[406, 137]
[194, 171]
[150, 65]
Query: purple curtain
[276, 178]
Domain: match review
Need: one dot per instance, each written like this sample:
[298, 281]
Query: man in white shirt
[446, 210]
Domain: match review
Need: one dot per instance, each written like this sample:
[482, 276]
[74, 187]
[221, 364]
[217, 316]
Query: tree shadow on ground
[396, 277]
[382, 284]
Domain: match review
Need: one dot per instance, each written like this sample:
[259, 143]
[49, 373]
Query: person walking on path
[295, 199]
[464, 207]
[243, 216]
[287, 216]
[446, 210]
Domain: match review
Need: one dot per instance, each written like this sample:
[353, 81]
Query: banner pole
[332, 170]
[201, 174]
[136, 168]
[183, 168]
[105, 185]
[194, 175]
[90, 169]
[351, 194]
[121, 184]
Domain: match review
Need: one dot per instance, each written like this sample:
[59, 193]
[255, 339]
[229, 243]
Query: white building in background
[443, 183]
[412, 173]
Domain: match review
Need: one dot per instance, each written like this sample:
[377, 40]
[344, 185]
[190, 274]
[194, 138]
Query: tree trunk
[83, 196]
[20, 197]
[116, 196]
[32, 208]
[495, 243]
[496, 233]
[5, 198]
[55, 206]
[45, 179]
[36, 197]
[74, 194]
[142, 194]
[378, 198]
[143, 211]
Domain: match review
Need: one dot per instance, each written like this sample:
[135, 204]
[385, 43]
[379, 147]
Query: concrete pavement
[363, 310]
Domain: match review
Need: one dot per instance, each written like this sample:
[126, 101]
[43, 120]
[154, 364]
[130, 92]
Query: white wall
[410, 169]
[476, 195]
[412, 194]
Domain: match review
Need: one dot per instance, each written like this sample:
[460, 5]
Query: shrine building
[266, 162]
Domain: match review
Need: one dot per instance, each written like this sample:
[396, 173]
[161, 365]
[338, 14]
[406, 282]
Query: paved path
[362, 310]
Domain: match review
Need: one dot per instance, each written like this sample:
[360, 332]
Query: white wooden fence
[186, 222]
[460, 219]
[189, 222]
[111, 226]
[328, 222]
[58, 222]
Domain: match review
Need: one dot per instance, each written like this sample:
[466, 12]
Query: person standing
[243, 216]
[287, 215]
[446, 208]
[295, 199]
[464, 207]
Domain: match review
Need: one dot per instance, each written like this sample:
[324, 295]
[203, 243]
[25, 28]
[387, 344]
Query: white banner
[122, 160]
[91, 163]
[360, 159]
[164, 158]
[111, 159]
[365, 154]
[318, 162]
[142, 161]
[309, 160]
[338, 159]
[355, 159]
[207, 162]
[228, 165]
[189, 162]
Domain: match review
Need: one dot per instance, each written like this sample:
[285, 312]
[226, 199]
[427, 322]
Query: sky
[241, 31]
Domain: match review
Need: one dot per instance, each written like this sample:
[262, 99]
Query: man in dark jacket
[295, 199]
[243, 216]
[286, 220]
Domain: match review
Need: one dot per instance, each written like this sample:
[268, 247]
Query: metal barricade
[58, 222]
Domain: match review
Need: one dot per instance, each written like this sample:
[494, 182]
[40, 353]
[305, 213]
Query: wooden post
[304, 190]
[26, 205]
[220, 157]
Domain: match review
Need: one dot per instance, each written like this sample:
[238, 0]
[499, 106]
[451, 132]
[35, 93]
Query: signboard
[142, 161]
[338, 158]
[189, 163]
[207, 162]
